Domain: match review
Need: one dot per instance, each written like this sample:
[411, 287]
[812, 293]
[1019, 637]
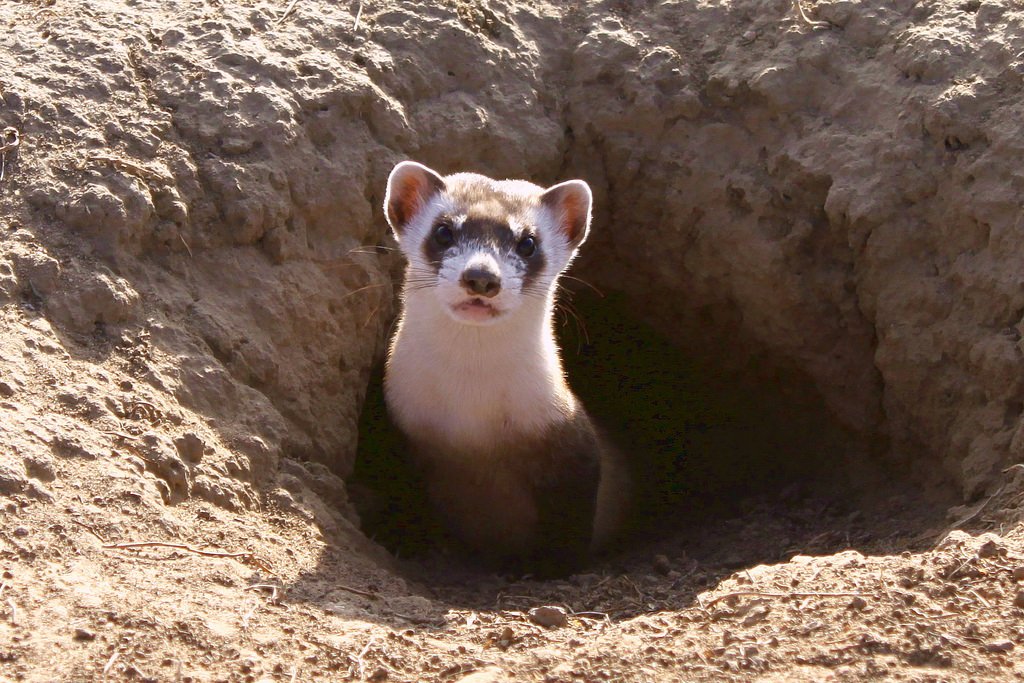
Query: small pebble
[1018, 573]
[505, 638]
[756, 615]
[548, 617]
[858, 603]
[662, 564]
[991, 548]
[21, 532]
[84, 634]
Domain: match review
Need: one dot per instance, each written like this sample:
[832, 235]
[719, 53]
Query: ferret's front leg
[566, 502]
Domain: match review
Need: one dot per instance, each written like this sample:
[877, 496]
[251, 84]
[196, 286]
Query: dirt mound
[807, 237]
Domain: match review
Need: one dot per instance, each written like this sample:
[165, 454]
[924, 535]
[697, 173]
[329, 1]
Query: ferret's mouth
[475, 310]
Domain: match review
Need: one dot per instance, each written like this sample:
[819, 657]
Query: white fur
[474, 387]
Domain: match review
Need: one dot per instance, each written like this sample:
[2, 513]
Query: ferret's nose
[481, 282]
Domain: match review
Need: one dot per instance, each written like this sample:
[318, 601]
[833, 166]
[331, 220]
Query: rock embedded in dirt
[39, 271]
[992, 547]
[999, 646]
[755, 615]
[548, 616]
[11, 481]
[504, 638]
[162, 459]
[190, 447]
[1018, 599]
[41, 467]
[858, 603]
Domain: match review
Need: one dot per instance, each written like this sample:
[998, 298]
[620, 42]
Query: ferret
[474, 382]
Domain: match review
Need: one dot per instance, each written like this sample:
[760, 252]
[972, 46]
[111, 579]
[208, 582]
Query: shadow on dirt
[728, 475]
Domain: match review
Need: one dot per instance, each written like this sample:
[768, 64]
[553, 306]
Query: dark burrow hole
[728, 472]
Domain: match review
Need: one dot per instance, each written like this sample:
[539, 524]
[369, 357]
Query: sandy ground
[195, 286]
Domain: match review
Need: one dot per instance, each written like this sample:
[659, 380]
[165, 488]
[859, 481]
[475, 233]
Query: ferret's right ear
[410, 187]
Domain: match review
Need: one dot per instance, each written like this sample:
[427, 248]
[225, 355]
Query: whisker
[332, 266]
[370, 249]
[364, 288]
[583, 336]
[373, 314]
[582, 281]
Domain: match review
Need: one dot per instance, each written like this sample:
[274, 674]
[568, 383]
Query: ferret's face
[479, 248]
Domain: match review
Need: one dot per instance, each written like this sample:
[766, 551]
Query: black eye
[526, 247]
[443, 235]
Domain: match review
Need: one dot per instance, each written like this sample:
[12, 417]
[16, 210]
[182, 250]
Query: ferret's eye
[443, 236]
[526, 247]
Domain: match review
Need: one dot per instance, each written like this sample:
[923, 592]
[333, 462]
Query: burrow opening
[731, 468]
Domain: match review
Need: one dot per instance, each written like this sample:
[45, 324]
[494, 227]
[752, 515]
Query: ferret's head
[482, 246]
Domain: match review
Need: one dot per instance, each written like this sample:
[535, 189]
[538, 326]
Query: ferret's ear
[569, 203]
[410, 187]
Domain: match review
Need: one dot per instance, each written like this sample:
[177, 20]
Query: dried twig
[245, 556]
[129, 166]
[187, 248]
[120, 435]
[973, 513]
[266, 586]
[600, 616]
[360, 664]
[357, 591]
[768, 594]
[91, 529]
[10, 142]
[110, 662]
[359, 13]
[807, 20]
[287, 12]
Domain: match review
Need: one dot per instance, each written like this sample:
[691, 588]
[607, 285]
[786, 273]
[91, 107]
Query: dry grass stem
[245, 556]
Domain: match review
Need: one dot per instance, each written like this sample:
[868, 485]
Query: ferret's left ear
[569, 203]
[410, 187]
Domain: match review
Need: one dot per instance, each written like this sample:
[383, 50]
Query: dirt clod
[991, 548]
[999, 646]
[857, 603]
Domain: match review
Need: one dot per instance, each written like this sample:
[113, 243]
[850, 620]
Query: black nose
[481, 282]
